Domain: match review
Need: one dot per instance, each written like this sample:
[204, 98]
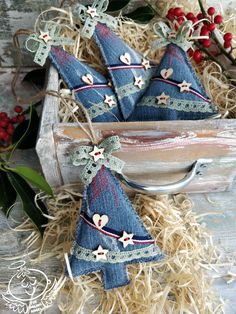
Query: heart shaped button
[100, 221]
[88, 79]
[166, 73]
[125, 58]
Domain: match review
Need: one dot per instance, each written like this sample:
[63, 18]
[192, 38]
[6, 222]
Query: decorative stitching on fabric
[114, 257]
[179, 105]
[115, 234]
[98, 110]
[129, 89]
[175, 83]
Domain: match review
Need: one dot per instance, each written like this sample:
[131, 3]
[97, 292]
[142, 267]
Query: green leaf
[27, 196]
[142, 14]
[7, 193]
[116, 5]
[25, 134]
[33, 177]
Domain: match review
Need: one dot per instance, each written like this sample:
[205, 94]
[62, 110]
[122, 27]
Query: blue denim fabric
[112, 47]
[181, 106]
[104, 196]
[92, 98]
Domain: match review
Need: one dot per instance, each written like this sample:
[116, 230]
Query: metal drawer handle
[197, 169]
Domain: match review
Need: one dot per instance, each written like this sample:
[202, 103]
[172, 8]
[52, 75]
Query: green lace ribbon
[179, 38]
[80, 12]
[40, 48]
[81, 157]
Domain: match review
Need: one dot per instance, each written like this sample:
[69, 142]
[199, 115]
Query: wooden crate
[155, 152]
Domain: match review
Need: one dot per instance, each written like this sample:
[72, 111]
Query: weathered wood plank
[161, 152]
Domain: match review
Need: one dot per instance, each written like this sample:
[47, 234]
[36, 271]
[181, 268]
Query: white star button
[139, 81]
[127, 238]
[45, 36]
[92, 12]
[184, 86]
[162, 99]
[97, 153]
[109, 100]
[146, 64]
[100, 253]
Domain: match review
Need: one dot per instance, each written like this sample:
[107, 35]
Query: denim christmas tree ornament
[175, 92]
[130, 72]
[109, 234]
[90, 87]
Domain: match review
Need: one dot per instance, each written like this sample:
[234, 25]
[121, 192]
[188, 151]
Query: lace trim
[116, 257]
[129, 89]
[179, 105]
[98, 110]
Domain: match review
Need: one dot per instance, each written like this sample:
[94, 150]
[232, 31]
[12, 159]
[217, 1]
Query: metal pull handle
[197, 169]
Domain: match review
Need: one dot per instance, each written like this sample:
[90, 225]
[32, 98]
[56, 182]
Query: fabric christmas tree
[90, 87]
[130, 72]
[175, 92]
[109, 233]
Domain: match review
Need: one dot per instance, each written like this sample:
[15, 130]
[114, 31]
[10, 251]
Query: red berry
[211, 27]
[2, 134]
[228, 36]
[227, 44]
[197, 56]
[14, 120]
[200, 16]
[10, 129]
[190, 52]
[218, 19]
[194, 20]
[3, 123]
[204, 32]
[170, 17]
[206, 43]
[178, 12]
[3, 115]
[20, 118]
[180, 20]
[171, 11]
[211, 11]
[18, 109]
[189, 16]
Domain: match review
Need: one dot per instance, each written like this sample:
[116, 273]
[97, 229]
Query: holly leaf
[7, 193]
[116, 5]
[33, 177]
[142, 14]
[27, 196]
[25, 134]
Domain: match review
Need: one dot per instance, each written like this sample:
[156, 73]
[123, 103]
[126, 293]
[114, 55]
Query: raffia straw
[179, 284]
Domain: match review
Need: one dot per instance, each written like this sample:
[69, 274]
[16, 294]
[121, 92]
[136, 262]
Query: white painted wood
[45, 147]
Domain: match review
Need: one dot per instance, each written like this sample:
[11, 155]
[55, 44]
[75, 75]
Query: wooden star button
[184, 86]
[109, 100]
[138, 81]
[126, 238]
[100, 253]
[45, 36]
[146, 64]
[92, 12]
[162, 99]
[97, 153]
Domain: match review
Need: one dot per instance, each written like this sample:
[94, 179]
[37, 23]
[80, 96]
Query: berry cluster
[207, 24]
[7, 125]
